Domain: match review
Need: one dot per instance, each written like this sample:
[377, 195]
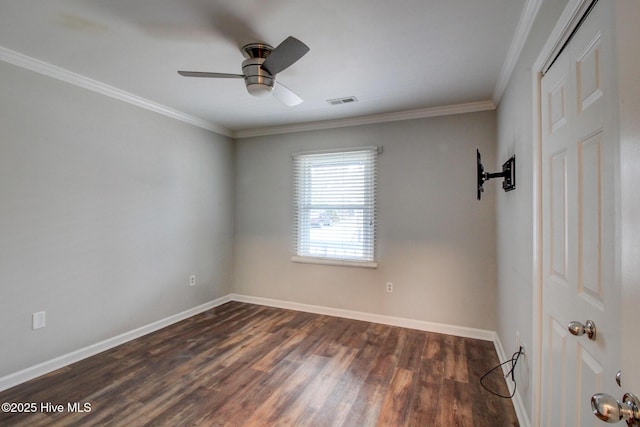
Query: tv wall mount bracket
[508, 173]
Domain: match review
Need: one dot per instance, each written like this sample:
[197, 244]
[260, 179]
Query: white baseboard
[420, 325]
[35, 371]
[518, 404]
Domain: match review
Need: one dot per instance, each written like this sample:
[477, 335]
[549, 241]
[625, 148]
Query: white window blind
[335, 204]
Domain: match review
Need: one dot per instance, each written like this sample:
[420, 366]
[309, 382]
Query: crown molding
[523, 28]
[470, 107]
[44, 68]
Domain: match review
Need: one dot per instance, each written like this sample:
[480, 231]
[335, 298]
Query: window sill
[338, 262]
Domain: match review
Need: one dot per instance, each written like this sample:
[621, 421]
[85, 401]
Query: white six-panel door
[579, 145]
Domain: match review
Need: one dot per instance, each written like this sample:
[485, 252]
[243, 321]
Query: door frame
[566, 24]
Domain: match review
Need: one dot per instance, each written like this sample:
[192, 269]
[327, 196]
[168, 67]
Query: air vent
[339, 101]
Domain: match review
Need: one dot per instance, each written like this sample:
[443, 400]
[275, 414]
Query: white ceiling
[392, 56]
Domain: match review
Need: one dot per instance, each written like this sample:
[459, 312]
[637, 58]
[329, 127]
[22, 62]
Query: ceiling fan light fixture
[259, 89]
[258, 81]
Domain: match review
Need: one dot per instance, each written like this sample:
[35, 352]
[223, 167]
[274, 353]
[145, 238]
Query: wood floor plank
[412, 351]
[365, 410]
[277, 354]
[425, 410]
[398, 399]
[455, 410]
[301, 411]
[342, 400]
[247, 399]
[273, 408]
[387, 359]
[339, 404]
[244, 365]
[455, 362]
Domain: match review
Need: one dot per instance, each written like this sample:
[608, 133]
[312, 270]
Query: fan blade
[212, 75]
[284, 55]
[286, 95]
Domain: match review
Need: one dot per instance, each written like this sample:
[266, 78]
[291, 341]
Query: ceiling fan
[262, 65]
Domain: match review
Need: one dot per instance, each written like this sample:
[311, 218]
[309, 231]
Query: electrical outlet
[38, 320]
[389, 287]
[192, 280]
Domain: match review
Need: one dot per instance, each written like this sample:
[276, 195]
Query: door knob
[610, 410]
[578, 329]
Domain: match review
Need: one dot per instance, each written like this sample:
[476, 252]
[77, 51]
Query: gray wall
[105, 211]
[436, 242]
[515, 209]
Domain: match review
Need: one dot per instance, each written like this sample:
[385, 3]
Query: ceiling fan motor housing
[258, 81]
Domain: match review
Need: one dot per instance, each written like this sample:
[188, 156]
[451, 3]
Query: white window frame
[305, 249]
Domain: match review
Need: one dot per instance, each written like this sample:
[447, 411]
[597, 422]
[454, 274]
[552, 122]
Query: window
[334, 206]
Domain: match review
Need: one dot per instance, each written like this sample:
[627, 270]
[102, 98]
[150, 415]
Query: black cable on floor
[514, 361]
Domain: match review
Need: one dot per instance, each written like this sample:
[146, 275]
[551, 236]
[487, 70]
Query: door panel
[590, 198]
[555, 374]
[558, 106]
[558, 216]
[588, 74]
[590, 373]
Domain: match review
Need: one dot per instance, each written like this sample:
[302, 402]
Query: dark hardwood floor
[248, 365]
